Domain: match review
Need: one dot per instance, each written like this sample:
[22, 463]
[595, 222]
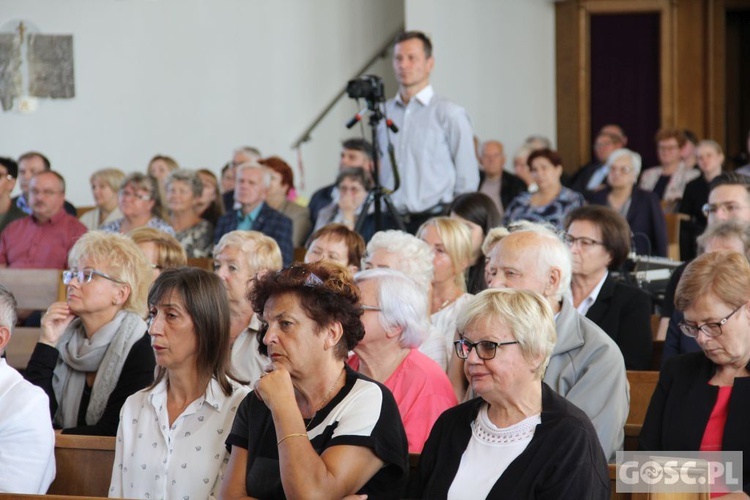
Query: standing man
[41, 240]
[434, 148]
[30, 164]
[9, 211]
[251, 188]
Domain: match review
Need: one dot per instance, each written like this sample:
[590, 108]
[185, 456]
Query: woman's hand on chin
[54, 322]
[275, 386]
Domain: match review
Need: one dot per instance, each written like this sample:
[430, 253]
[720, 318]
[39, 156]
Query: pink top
[713, 435]
[26, 243]
[422, 392]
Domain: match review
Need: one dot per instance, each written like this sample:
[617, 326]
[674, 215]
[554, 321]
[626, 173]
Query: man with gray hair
[244, 154]
[251, 188]
[586, 367]
[27, 441]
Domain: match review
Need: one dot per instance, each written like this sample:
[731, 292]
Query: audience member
[104, 186]
[355, 153]
[710, 160]
[731, 235]
[599, 241]
[140, 203]
[688, 152]
[159, 168]
[434, 149]
[701, 402]
[27, 441]
[519, 438]
[669, 179]
[42, 239]
[640, 208]
[494, 181]
[282, 183]
[336, 243]
[170, 442]
[450, 241]
[254, 214]
[245, 154]
[591, 176]
[586, 367]
[395, 320]
[30, 164]
[480, 215]
[745, 170]
[227, 179]
[521, 167]
[239, 257]
[552, 201]
[162, 250]
[93, 351]
[209, 206]
[184, 189]
[9, 211]
[352, 185]
[314, 427]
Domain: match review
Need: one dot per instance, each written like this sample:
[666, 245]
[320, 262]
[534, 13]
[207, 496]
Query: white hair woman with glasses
[642, 209]
[702, 400]
[93, 351]
[394, 315]
[519, 438]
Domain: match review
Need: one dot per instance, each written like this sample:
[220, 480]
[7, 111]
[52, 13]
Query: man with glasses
[41, 240]
[586, 366]
[30, 164]
[9, 211]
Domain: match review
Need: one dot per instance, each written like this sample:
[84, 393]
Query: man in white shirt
[27, 441]
[434, 148]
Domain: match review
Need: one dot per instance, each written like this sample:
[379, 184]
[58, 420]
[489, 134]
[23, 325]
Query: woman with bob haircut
[210, 205]
[312, 427]
[170, 440]
[140, 203]
[161, 250]
[336, 243]
[104, 186]
[702, 400]
[184, 189]
[551, 202]
[93, 351]
[519, 438]
[599, 242]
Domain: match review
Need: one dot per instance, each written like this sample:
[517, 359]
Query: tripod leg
[363, 213]
[394, 214]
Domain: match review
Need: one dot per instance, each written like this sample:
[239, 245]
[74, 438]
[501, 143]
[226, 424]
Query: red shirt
[713, 436]
[28, 244]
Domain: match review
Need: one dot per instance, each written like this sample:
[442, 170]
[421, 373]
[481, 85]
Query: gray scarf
[104, 353]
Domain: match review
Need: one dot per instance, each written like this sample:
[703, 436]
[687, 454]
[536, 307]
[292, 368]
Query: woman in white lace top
[518, 439]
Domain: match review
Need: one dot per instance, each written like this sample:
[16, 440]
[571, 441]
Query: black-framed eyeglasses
[84, 276]
[485, 349]
[583, 242]
[709, 329]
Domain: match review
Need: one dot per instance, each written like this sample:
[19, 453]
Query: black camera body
[369, 87]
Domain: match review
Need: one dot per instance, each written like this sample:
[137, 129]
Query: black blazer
[510, 186]
[624, 312]
[683, 401]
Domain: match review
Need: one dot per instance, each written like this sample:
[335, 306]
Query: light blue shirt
[245, 222]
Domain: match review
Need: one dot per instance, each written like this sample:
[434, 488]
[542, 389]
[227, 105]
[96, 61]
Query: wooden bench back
[21, 345]
[84, 465]
[642, 385]
[34, 289]
[205, 263]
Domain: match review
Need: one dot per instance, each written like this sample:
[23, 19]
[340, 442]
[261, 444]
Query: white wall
[497, 59]
[196, 78]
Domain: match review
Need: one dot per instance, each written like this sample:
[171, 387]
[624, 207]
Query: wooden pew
[84, 465]
[205, 263]
[642, 385]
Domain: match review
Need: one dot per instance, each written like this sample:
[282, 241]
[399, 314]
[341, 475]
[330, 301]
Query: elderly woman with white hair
[519, 438]
[641, 208]
[394, 315]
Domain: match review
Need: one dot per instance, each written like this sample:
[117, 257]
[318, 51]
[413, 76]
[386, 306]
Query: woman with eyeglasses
[702, 400]
[640, 208]
[599, 242]
[312, 427]
[519, 438]
[93, 351]
[140, 203]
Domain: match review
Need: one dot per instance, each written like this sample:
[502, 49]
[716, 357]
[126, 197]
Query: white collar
[424, 96]
[586, 303]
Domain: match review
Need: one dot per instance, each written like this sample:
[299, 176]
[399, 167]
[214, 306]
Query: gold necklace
[325, 398]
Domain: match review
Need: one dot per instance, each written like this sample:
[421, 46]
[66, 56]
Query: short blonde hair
[111, 176]
[120, 258]
[527, 314]
[170, 253]
[456, 238]
[493, 236]
[261, 252]
[725, 275]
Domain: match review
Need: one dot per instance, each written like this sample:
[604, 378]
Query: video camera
[369, 87]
